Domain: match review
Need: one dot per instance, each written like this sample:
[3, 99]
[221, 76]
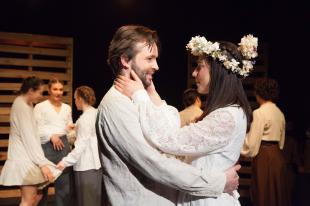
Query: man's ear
[125, 61]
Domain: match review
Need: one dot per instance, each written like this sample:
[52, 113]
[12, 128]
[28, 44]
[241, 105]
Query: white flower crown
[248, 47]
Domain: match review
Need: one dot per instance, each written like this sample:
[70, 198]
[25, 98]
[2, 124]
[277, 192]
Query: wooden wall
[23, 55]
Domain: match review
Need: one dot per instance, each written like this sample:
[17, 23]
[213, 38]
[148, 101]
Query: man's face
[145, 62]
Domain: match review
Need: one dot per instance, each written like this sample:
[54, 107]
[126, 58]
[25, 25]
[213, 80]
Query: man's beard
[141, 75]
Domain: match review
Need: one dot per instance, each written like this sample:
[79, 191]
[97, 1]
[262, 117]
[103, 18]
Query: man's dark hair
[124, 43]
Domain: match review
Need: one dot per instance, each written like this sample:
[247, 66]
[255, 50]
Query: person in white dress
[85, 155]
[26, 165]
[214, 142]
[54, 120]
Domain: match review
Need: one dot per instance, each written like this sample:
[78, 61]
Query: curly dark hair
[190, 96]
[267, 89]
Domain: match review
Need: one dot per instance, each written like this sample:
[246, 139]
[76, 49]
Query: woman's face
[56, 91]
[202, 76]
[36, 95]
[78, 101]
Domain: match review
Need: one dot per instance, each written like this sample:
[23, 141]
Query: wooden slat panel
[244, 181]
[244, 193]
[11, 193]
[245, 170]
[36, 38]
[4, 130]
[5, 110]
[245, 159]
[33, 63]
[10, 86]
[15, 73]
[16, 87]
[10, 98]
[3, 156]
[4, 143]
[32, 50]
[4, 118]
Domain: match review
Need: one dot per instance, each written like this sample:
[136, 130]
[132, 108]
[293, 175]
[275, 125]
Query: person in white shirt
[26, 165]
[85, 155]
[54, 119]
[213, 142]
[192, 104]
[264, 143]
[130, 164]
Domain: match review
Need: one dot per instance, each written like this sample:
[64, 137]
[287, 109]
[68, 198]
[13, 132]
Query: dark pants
[88, 187]
[63, 184]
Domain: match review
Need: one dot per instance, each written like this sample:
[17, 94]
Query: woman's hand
[70, 127]
[47, 173]
[61, 166]
[155, 98]
[128, 86]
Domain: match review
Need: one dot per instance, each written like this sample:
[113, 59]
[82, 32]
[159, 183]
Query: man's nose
[155, 66]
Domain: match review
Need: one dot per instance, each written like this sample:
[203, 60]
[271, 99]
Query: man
[192, 104]
[131, 166]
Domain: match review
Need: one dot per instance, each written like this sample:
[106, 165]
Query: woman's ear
[125, 61]
[30, 91]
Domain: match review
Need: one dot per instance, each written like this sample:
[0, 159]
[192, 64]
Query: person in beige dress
[192, 104]
[264, 143]
[26, 165]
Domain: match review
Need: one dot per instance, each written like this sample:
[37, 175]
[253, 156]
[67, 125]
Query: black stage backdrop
[281, 24]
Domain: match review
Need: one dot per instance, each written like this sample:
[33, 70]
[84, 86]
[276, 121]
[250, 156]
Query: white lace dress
[213, 144]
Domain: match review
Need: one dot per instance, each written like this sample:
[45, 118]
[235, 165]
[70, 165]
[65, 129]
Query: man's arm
[118, 123]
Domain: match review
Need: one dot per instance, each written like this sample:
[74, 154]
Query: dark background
[282, 25]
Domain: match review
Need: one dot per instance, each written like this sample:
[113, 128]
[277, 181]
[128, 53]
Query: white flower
[247, 65]
[248, 47]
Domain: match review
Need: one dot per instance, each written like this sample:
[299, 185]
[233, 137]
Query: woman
[54, 119]
[264, 143]
[85, 156]
[26, 165]
[215, 140]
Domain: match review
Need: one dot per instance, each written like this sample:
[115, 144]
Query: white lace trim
[161, 127]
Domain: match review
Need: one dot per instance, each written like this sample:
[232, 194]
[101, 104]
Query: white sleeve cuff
[140, 96]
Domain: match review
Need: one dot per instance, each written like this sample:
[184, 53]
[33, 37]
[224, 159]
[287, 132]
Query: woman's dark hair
[87, 94]
[54, 81]
[190, 96]
[267, 89]
[124, 43]
[33, 83]
[225, 87]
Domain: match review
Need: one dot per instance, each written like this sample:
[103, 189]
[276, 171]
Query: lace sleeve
[160, 127]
